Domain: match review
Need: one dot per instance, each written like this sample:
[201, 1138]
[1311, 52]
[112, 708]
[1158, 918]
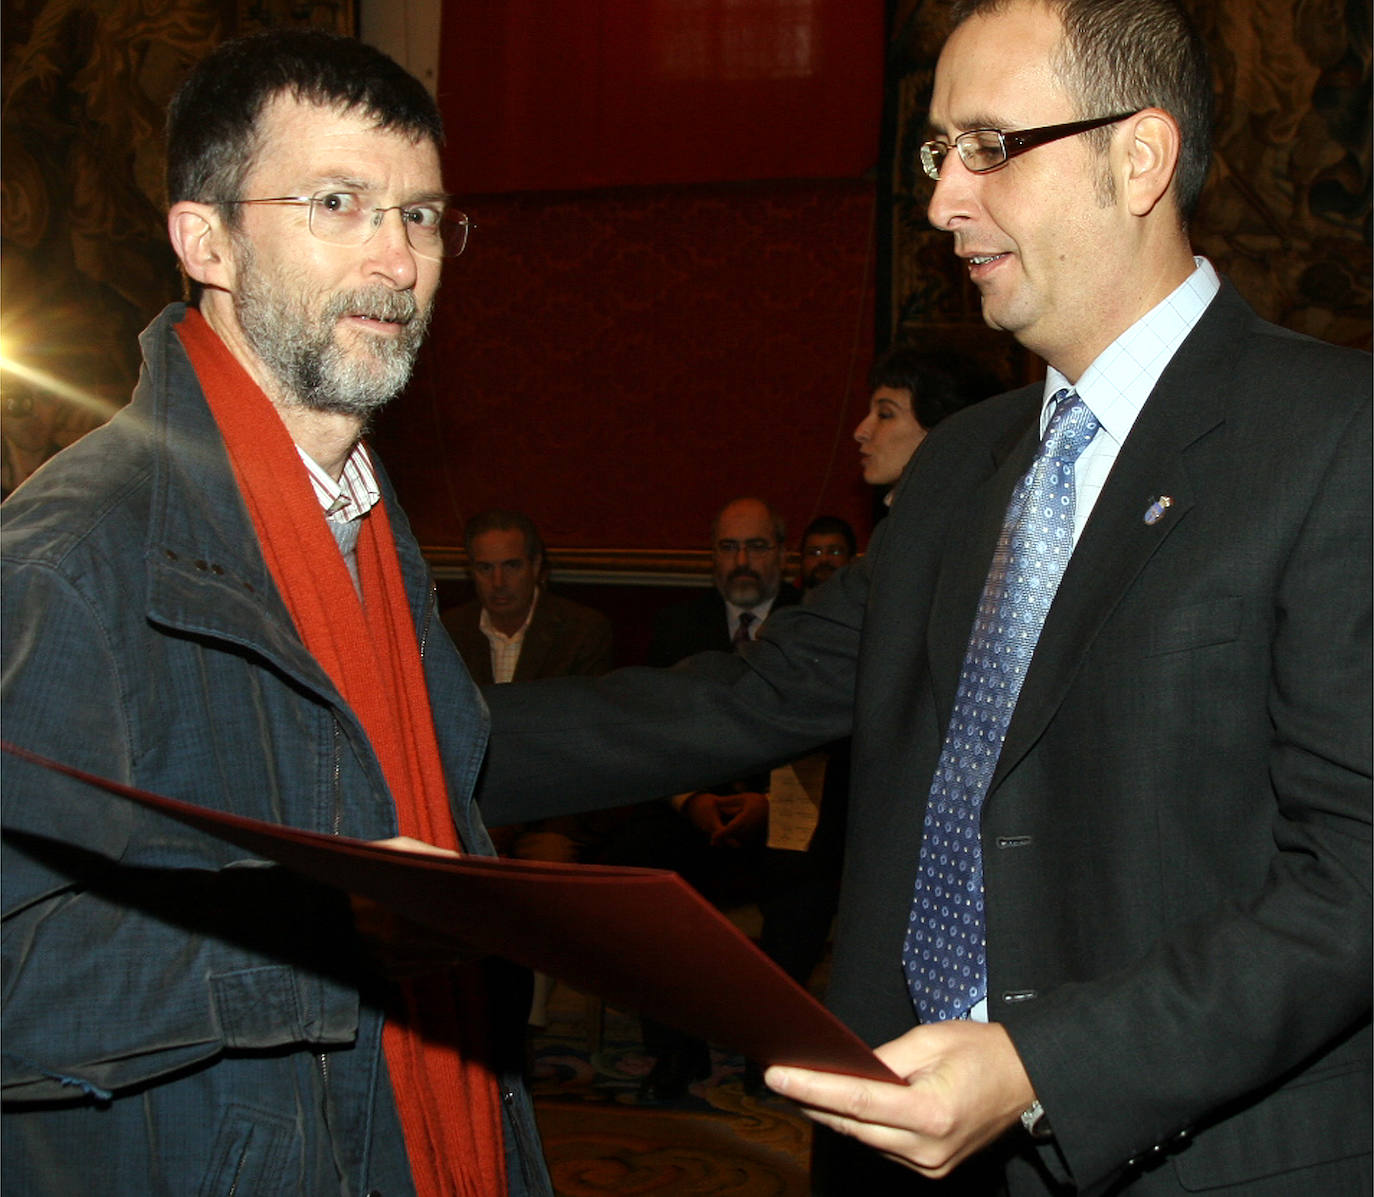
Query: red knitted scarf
[447, 1097]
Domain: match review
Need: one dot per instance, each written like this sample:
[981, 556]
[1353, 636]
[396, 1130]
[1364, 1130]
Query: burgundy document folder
[641, 938]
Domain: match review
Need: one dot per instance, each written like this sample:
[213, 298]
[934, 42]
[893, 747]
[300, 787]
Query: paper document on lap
[794, 802]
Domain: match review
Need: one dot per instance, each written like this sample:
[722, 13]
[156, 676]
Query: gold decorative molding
[605, 566]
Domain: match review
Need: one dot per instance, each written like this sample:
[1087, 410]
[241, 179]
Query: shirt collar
[1121, 378]
[759, 611]
[356, 491]
[488, 629]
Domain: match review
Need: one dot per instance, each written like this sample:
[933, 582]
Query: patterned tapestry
[1286, 210]
[86, 259]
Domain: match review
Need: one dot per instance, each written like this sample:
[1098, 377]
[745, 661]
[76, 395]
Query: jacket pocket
[1197, 626]
[251, 1155]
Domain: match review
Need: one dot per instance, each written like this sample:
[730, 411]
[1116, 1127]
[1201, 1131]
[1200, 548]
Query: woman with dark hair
[911, 393]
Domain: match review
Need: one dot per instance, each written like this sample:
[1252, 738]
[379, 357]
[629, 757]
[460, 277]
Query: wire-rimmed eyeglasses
[983, 150]
[433, 229]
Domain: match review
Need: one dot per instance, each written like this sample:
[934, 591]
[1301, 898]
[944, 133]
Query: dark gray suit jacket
[700, 624]
[1177, 839]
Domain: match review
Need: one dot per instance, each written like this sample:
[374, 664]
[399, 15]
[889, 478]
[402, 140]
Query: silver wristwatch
[1036, 1124]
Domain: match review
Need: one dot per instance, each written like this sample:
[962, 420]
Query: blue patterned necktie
[944, 954]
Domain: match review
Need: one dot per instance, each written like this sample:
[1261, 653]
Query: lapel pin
[1156, 510]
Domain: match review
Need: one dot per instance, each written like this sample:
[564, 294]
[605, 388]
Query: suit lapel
[538, 643]
[472, 645]
[1117, 542]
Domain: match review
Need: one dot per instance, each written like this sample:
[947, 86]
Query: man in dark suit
[715, 837]
[748, 551]
[515, 630]
[514, 618]
[1175, 837]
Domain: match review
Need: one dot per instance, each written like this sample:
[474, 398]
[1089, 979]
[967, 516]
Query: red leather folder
[641, 938]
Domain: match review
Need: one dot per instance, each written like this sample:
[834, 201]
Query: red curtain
[568, 94]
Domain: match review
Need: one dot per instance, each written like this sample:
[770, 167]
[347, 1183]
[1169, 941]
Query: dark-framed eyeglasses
[817, 551]
[351, 218]
[984, 150]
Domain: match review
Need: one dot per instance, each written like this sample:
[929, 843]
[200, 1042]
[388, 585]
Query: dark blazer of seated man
[515, 630]
[714, 837]
[556, 636]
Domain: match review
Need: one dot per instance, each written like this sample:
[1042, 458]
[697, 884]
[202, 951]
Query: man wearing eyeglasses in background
[1106, 900]
[748, 549]
[715, 836]
[827, 544]
[216, 597]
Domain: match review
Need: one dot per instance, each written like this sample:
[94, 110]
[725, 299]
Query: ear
[201, 243]
[1152, 159]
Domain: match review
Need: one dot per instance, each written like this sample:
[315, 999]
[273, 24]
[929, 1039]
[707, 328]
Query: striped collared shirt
[505, 650]
[353, 495]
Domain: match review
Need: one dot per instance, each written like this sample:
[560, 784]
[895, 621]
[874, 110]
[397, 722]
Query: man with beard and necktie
[216, 597]
[716, 838]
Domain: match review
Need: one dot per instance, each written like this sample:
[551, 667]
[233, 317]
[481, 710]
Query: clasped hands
[964, 1087]
[729, 820]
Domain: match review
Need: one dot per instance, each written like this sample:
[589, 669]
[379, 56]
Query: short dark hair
[212, 121]
[831, 525]
[500, 520]
[940, 383]
[1125, 55]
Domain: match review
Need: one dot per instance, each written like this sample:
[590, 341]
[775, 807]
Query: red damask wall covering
[668, 298]
[619, 364]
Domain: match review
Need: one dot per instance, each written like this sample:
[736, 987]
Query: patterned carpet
[599, 1138]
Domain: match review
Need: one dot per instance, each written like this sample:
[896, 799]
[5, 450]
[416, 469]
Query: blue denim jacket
[179, 1019]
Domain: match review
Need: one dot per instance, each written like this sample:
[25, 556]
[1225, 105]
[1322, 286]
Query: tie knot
[1071, 427]
[746, 618]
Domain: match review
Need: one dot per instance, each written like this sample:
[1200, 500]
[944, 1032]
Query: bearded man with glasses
[216, 597]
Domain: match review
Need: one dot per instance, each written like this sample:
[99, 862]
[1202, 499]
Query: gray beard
[746, 591]
[300, 350]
